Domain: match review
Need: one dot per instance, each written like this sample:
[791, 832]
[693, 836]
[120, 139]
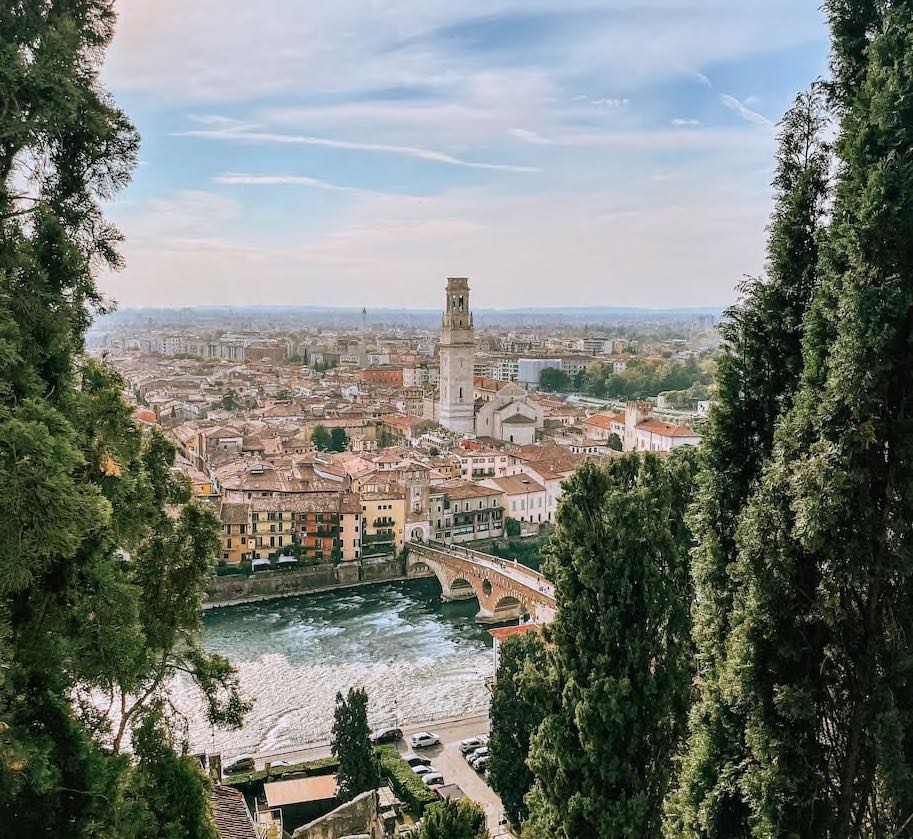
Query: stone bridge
[505, 589]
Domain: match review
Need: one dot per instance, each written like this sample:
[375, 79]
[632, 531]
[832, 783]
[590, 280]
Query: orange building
[385, 374]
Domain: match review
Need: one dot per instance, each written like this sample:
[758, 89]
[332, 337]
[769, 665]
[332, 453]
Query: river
[418, 658]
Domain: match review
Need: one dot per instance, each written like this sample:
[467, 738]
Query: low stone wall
[357, 818]
[265, 585]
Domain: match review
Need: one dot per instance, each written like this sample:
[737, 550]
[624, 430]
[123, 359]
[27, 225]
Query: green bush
[408, 787]
[244, 569]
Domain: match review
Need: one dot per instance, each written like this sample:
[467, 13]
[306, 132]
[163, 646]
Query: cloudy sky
[356, 152]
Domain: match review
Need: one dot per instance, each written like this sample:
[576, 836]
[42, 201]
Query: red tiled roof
[503, 632]
[666, 429]
[602, 420]
[230, 813]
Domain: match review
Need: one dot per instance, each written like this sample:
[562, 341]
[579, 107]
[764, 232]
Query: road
[450, 730]
[445, 757]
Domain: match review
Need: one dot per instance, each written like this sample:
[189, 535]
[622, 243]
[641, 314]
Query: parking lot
[448, 760]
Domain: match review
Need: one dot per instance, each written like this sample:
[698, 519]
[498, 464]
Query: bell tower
[457, 354]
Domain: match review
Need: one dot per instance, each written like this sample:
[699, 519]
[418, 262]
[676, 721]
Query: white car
[423, 769]
[470, 744]
[433, 779]
[423, 739]
[477, 755]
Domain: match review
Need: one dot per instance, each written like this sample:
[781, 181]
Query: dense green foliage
[408, 787]
[642, 377]
[321, 438]
[351, 745]
[757, 374]
[619, 663]
[554, 379]
[820, 640]
[515, 715]
[103, 555]
[339, 440]
[804, 573]
[527, 552]
[462, 819]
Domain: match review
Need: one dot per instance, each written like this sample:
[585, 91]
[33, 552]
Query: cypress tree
[758, 372]
[358, 765]
[620, 650]
[515, 715]
[820, 660]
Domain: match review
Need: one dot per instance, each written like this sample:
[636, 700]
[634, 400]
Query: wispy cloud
[681, 122]
[744, 111]
[642, 139]
[245, 179]
[245, 133]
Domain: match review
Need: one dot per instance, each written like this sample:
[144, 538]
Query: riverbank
[417, 656]
[450, 730]
[236, 590]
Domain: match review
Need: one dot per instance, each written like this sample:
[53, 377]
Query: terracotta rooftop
[604, 419]
[503, 632]
[230, 813]
[666, 429]
[318, 788]
[234, 513]
[464, 489]
[516, 484]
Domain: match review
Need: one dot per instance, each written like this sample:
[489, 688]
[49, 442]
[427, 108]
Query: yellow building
[315, 526]
[235, 532]
[384, 521]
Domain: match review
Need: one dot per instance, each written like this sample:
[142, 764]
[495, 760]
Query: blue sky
[336, 152]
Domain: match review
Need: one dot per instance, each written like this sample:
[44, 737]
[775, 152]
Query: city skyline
[606, 154]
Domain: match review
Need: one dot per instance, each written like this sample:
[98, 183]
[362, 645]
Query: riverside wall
[233, 589]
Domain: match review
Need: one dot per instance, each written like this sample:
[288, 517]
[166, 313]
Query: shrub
[408, 787]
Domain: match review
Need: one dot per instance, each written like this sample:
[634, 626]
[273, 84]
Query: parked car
[387, 735]
[477, 755]
[240, 764]
[423, 769]
[481, 765]
[278, 764]
[416, 760]
[470, 744]
[423, 739]
[433, 779]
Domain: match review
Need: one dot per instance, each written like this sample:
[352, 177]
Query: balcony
[387, 537]
[384, 521]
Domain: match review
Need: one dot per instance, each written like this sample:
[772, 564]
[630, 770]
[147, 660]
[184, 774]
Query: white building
[530, 369]
[457, 350]
[644, 433]
[510, 416]
[524, 498]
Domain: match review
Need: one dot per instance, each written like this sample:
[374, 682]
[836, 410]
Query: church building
[509, 415]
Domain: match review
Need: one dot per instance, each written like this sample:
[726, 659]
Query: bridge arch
[459, 589]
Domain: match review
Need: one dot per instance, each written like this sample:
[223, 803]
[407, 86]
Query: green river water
[418, 658]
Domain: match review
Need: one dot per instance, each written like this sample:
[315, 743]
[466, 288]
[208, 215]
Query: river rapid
[418, 658]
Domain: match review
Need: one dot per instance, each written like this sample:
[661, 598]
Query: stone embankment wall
[266, 585]
[356, 819]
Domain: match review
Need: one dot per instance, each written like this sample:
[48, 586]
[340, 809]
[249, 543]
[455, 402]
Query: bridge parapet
[503, 587]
